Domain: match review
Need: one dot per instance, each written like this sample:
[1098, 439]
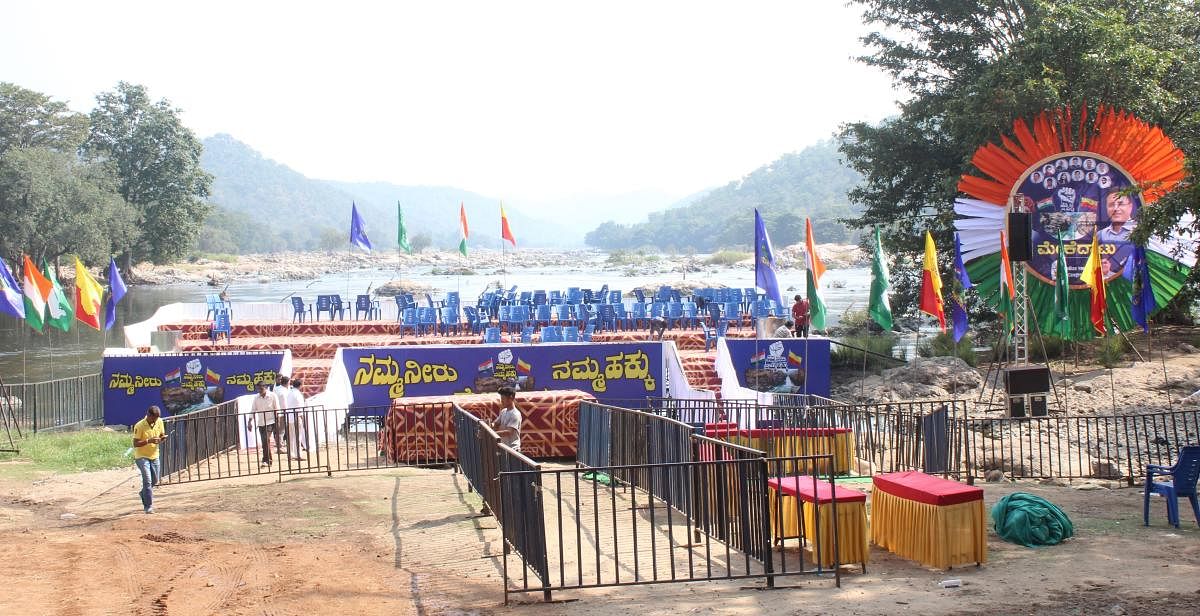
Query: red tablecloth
[802, 486]
[917, 486]
[422, 428]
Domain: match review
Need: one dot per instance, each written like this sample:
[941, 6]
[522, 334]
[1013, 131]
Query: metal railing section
[54, 405]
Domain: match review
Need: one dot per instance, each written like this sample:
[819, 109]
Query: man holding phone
[147, 434]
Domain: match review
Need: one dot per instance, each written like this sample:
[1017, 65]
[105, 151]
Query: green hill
[811, 183]
[263, 206]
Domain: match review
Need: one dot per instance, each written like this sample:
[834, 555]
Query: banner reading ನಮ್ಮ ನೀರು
[784, 365]
[181, 383]
[1074, 196]
[607, 371]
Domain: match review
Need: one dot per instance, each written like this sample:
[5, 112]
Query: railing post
[767, 549]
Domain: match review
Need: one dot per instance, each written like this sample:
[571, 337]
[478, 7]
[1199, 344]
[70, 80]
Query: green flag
[59, 311]
[401, 233]
[1062, 287]
[879, 307]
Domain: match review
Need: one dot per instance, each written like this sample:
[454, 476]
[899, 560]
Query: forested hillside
[810, 183]
[262, 206]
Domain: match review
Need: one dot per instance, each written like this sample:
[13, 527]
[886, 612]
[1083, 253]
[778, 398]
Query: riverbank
[484, 262]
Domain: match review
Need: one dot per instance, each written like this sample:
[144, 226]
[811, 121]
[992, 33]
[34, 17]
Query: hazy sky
[533, 100]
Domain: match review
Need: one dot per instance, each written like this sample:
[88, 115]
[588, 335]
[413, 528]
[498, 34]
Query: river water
[27, 356]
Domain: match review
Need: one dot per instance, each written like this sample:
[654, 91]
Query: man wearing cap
[147, 434]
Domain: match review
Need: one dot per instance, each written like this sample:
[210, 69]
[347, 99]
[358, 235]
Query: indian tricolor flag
[36, 289]
[758, 357]
[462, 219]
[816, 305]
[487, 365]
[1007, 291]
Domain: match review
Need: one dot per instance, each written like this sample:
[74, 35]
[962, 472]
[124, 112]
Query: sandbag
[1030, 520]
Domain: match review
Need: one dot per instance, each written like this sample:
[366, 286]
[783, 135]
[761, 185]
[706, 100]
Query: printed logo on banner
[783, 366]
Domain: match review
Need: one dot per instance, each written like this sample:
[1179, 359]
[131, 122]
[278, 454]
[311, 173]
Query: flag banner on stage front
[931, 284]
[358, 231]
[181, 382]
[59, 310]
[464, 231]
[89, 296]
[505, 230]
[401, 232]
[816, 269]
[764, 261]
[611, 371]
[36, 289]
[11, 302]
[116, 293]
[879, 306]
[789, 365]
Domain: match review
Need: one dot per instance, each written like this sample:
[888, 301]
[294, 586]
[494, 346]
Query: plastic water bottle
[950, 583]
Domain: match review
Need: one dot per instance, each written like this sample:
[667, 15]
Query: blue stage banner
[179, 383]
[607, 371]
[783, 365]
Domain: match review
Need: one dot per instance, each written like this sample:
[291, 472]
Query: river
[27, 356]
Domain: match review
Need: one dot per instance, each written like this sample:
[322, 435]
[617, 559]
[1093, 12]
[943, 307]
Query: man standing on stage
[508, 423]
[147, 434]
[800, 316]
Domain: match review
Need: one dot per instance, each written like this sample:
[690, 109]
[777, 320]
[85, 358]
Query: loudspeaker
[1020, 236]
[1016, 406]
[1031, 380]
[1037, 406]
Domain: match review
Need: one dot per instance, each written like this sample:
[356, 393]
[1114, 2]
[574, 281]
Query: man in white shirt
[508, 423]
[297, 430]
[281, 404]
[263, 416]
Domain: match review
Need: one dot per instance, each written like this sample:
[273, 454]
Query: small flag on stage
[1007, 290]
[487, 365]
[358, 231]
[1062, 296]
[794, 360]
[172, 376]
[212, 378]
[758, 357]
[523, 367]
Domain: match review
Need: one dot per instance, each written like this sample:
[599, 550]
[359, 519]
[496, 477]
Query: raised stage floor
[314, 343]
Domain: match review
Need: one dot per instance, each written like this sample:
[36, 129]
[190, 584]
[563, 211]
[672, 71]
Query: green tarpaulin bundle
[1030, 520]
[599, 478]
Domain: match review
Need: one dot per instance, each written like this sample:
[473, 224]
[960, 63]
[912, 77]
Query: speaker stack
[1027, 389]
[1020, 237]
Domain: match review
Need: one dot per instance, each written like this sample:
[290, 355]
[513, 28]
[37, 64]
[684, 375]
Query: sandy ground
[409, 541]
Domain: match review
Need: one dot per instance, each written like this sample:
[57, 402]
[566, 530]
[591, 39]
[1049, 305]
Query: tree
[974, 66]
[421, 241]
[156, 160]
[30, 119]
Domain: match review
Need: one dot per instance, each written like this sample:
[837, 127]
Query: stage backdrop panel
[181, 382]
[782, 365]
[607, 371]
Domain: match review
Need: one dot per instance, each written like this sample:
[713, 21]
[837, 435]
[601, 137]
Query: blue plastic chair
[221, 326]
[640, 295]
[607, 317]
[300, 309]
[1184, 475]
[452, 299]
[638, 314]
[409, 320]
[364, 303]
[586, 334]
[527, 335]
[324, 304]
[712, 333]
[674, 315]
[491, 335]
[556, 297]
[552, 333]
[570, 333]
[449, 320]
[539, 297]
[400, 306]
[564, 313]
[542, 315]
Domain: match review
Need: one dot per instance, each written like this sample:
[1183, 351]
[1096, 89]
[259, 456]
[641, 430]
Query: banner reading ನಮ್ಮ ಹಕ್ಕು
[1073, 196]
[180, 383]
[782, 365]
[608, 371]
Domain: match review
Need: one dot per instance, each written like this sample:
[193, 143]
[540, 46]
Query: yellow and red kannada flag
[931, 285]
[88, 297]
[505, 230]
[1093, 277]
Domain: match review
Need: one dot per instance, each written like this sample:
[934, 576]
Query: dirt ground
[409, 541]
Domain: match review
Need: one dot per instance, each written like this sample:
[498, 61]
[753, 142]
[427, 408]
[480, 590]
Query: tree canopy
[974, 66]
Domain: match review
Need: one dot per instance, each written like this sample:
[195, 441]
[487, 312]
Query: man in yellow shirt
[147, 434]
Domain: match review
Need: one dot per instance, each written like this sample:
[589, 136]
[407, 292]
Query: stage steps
[700, 369]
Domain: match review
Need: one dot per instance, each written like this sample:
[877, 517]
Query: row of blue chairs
[550, 333]
[333, 305]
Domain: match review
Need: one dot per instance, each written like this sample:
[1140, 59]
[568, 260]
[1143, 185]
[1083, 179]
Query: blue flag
[1144, 303]
[11, 300]
[117, 287]
[358, 233]
[764, 261]
[960, 270]
[958, 316]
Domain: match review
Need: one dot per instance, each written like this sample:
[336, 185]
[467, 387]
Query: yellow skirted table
[816, 499]
[934, 521]
[790, 442]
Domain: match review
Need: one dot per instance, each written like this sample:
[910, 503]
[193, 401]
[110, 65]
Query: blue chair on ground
[409, 320]
[222, 327]
[364, 304]
[472, 320]
[341, 306]
[539, 297]
[324, 304]
[733, 313]
[526, 298]
[1184, 475]
[491, 335]
[400, 306]
[215, 304]
[714, 313]
[621, 316]
[615, 297]
[300, 309]
[452, 299]
[570, 333]
[712, 333]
